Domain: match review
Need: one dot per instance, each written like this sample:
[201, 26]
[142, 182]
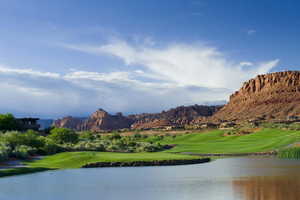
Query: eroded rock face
[98, 121]
[269, 96]
[179, 116]
[69, 122]
[103, 121]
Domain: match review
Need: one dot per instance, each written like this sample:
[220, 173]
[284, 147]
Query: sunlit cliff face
[268, 188]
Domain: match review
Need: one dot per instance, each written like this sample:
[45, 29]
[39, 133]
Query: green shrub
[115, 136]
[89, 146]
[29, 138]
[291, 153]
[113, 147]
[24, 151]
[8, 122]
[5, 151]
[50, 147]
[63, 135]
[147, 147]
[137, 136]
[86, 135]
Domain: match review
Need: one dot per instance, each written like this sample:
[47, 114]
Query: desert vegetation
[65, 148]
[22, 145]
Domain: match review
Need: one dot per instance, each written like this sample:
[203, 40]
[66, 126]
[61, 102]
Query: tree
[63, 135]
[8, 122]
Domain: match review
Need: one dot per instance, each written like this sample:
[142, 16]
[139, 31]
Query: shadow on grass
[22, 170]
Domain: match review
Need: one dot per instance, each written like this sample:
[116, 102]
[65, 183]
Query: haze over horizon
[71, 57]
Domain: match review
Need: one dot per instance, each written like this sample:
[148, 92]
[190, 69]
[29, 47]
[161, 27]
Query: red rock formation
[98, 121]
[269, 96]
[102, 121]
[179, 116]
[69, 122]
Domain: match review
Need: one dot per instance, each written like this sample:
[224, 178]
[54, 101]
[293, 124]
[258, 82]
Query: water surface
[225, 179]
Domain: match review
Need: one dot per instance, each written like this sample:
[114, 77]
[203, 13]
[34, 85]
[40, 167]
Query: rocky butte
[270, 96]
[98, 121]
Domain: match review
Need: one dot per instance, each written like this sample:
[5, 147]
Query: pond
[224, 179]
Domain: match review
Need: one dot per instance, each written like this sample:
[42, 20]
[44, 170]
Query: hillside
[180, 116]
[269, 96]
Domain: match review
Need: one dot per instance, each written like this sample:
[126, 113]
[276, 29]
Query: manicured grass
[205, 142]
[21, 170]
[290, 153]
[78, 159]
[215, 142]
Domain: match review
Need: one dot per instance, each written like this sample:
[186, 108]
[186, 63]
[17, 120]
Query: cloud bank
[183, 64]
[167, 76]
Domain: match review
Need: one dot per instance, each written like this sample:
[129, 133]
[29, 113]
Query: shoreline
[271, 153]
[147, 163]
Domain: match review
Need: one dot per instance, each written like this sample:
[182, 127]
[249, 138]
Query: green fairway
[215, 142]
[78, 159]
[206, 142]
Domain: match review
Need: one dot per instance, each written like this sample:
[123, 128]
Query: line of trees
[8, 122]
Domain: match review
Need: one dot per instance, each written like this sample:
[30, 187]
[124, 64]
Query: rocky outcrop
[269, 96]
[147, 163]
[103, 121]
[74, 123]
[179, 116]
[98, 121]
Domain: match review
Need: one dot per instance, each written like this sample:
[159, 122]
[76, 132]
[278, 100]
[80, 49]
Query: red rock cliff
[270, 96]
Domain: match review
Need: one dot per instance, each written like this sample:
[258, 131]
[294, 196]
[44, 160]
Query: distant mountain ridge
[179, 116]
[103, 121]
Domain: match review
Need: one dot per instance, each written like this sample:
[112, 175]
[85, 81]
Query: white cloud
[183, 64]
[160, 78]
[246, 64]
[31, 72]
[251, 31]
[81, 92]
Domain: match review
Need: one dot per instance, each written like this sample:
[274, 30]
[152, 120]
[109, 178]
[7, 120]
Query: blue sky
[70, 57]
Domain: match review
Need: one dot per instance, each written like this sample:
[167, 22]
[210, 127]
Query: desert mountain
[102, 121]
[269, 96]
[180, 116]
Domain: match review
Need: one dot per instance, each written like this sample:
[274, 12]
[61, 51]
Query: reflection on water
[268, 188]
[224, 179]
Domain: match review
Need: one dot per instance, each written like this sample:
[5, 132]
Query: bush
[8, 122]
[115, 136]
[291, 153]
[147, 147]
[50, 147]
[86, 135]
[23, 151]
[63, 135]
[29, 138]
[5, 151]
[89, 146]
[137, 136]
[113, 147]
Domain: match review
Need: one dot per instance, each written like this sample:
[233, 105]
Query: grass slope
[21, 170]
[215, 142]
[78, 159]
